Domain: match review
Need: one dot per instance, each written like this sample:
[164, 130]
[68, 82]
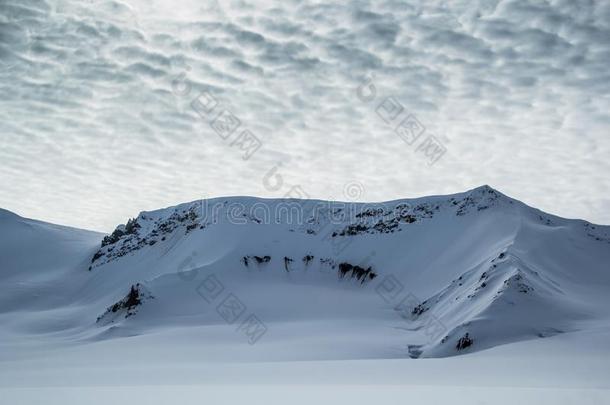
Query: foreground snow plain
[530, 290]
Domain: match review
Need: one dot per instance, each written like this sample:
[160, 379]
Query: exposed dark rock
[258, 259]
[357, 272]
[408, 219]
[287, 262]
[597, 234]
[307, 259]
[344, 268]
[262, 259]
[519, 283]
[352, 230]
[371, 212]
[133, 298]
[464, 342]
[130, 228]
[420, 309]
[96, 256]
[129, 304]
[127, 238]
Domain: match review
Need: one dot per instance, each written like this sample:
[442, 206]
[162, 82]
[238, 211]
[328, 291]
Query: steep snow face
[501, 300]
[298, 279]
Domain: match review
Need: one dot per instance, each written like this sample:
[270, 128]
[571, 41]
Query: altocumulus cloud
[92, 129]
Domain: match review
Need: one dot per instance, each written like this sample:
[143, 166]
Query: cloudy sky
[109, 108]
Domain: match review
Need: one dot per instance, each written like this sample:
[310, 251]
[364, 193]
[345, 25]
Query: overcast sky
[108, 108]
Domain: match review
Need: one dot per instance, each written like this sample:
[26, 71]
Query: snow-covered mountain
[245, 278]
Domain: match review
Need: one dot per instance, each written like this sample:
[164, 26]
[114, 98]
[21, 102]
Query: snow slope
[41, 263]
[243, 279]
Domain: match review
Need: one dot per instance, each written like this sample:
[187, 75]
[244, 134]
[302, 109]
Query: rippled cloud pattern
[97, 123]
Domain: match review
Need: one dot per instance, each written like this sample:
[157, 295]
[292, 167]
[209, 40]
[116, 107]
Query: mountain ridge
[428, 277]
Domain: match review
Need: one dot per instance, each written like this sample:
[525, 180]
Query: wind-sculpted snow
[305, 279]
[490, 304]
